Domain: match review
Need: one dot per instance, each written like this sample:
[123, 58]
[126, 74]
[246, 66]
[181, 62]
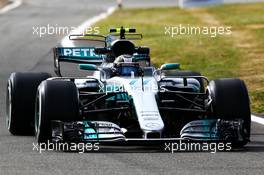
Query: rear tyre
[56, 100]
[230, 101]
[189, 73]
[20, 101]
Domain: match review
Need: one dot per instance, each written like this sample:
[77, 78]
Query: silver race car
[125, 98]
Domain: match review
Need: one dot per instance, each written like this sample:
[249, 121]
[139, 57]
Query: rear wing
[75, 55]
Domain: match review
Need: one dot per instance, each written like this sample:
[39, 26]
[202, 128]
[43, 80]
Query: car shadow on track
[255, 147]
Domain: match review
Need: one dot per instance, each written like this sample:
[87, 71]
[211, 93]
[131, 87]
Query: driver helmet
[125, 66]
[124, 59]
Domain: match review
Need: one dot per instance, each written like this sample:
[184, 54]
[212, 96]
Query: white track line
[12, 5]
[68, 43]
[257, 119]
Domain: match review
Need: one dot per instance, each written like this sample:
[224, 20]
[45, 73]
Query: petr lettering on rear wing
[75, 55]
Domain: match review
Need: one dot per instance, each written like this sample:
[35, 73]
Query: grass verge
[240, 54]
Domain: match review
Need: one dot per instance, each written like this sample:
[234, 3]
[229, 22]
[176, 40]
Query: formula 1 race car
[126, 99]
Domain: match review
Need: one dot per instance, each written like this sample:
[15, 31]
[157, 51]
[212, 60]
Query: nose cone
[147, 112]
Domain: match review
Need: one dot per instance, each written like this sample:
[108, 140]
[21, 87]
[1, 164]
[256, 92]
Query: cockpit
[124, 65]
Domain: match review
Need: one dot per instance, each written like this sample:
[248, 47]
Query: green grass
[248, 21]
[239, 15]
[257, 97]
[213, 57]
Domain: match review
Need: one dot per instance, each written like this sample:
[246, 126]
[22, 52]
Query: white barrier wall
[242, 1]
[195, 3]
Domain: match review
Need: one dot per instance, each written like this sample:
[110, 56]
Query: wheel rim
[37, 114]
[8, 106]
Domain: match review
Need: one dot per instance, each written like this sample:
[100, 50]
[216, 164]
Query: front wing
[215, 130]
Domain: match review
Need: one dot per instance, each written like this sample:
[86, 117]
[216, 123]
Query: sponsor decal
[77, 52]
[152, 125]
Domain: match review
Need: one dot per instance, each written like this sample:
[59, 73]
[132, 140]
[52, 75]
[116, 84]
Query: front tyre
[230, 101]
[20, 101]
[56, 100]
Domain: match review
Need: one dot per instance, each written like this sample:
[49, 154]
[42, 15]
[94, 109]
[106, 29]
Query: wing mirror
[170, 66]
[158, 73]
[90, 67]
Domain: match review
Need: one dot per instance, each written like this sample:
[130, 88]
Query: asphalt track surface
[22, 51]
